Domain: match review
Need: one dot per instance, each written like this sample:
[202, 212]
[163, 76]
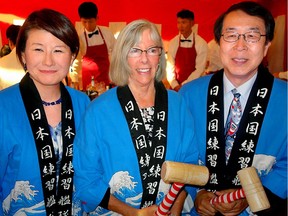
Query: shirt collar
[244, 89]
[88, 32]
[190, 37]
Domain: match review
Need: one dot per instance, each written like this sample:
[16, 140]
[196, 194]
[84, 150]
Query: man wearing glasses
[252, 129]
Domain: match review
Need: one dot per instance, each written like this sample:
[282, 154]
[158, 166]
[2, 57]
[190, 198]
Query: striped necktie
[232, 123]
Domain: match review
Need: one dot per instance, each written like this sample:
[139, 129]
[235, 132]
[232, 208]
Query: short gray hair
[131, 35]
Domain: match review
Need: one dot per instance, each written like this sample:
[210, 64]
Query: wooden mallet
[252, 189]
[180, 174]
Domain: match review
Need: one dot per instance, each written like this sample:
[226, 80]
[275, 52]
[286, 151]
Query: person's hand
[178, 203]
[177, 88]
[124, 209]
[202, 203]
[148, 211]
[233, 208]
[184, 82]
[283, 75]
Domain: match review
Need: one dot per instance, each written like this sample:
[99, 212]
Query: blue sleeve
[89, 185]
[181, 135]
[274, 145]
[3, 162]
[276, 179]
[190, 150]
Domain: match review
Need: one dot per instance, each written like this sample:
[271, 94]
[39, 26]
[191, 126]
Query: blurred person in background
[213, 59]
[11, 71]
[96, 45]
[187, 52]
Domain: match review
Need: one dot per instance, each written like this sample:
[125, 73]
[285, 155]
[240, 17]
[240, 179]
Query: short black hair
[12, 33]
[51, 21]
[253, 9]
[185, 14]
[88, 10]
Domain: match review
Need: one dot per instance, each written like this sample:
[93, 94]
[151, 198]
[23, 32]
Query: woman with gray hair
[129, 131]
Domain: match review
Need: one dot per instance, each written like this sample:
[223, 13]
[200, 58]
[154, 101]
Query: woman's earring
[25, 67]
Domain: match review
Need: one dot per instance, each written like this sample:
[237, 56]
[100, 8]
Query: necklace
[52, 103]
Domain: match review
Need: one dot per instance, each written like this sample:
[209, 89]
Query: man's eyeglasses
[249, 37]
[152, 51]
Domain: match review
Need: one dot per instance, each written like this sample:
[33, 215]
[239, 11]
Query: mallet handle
[229, 197]
[252, 190]
[168, 200]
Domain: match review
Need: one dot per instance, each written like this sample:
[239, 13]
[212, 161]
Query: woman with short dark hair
[39, 117]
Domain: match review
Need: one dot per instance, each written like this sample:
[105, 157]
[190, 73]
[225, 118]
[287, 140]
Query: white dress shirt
[200, 62]
[11, 71]
[244, 90]
[75, 74]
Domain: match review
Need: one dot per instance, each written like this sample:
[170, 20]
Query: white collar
[244, 89]
[88, 32]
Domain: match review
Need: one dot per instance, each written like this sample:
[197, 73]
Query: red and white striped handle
[168, 200]
[229, 197]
